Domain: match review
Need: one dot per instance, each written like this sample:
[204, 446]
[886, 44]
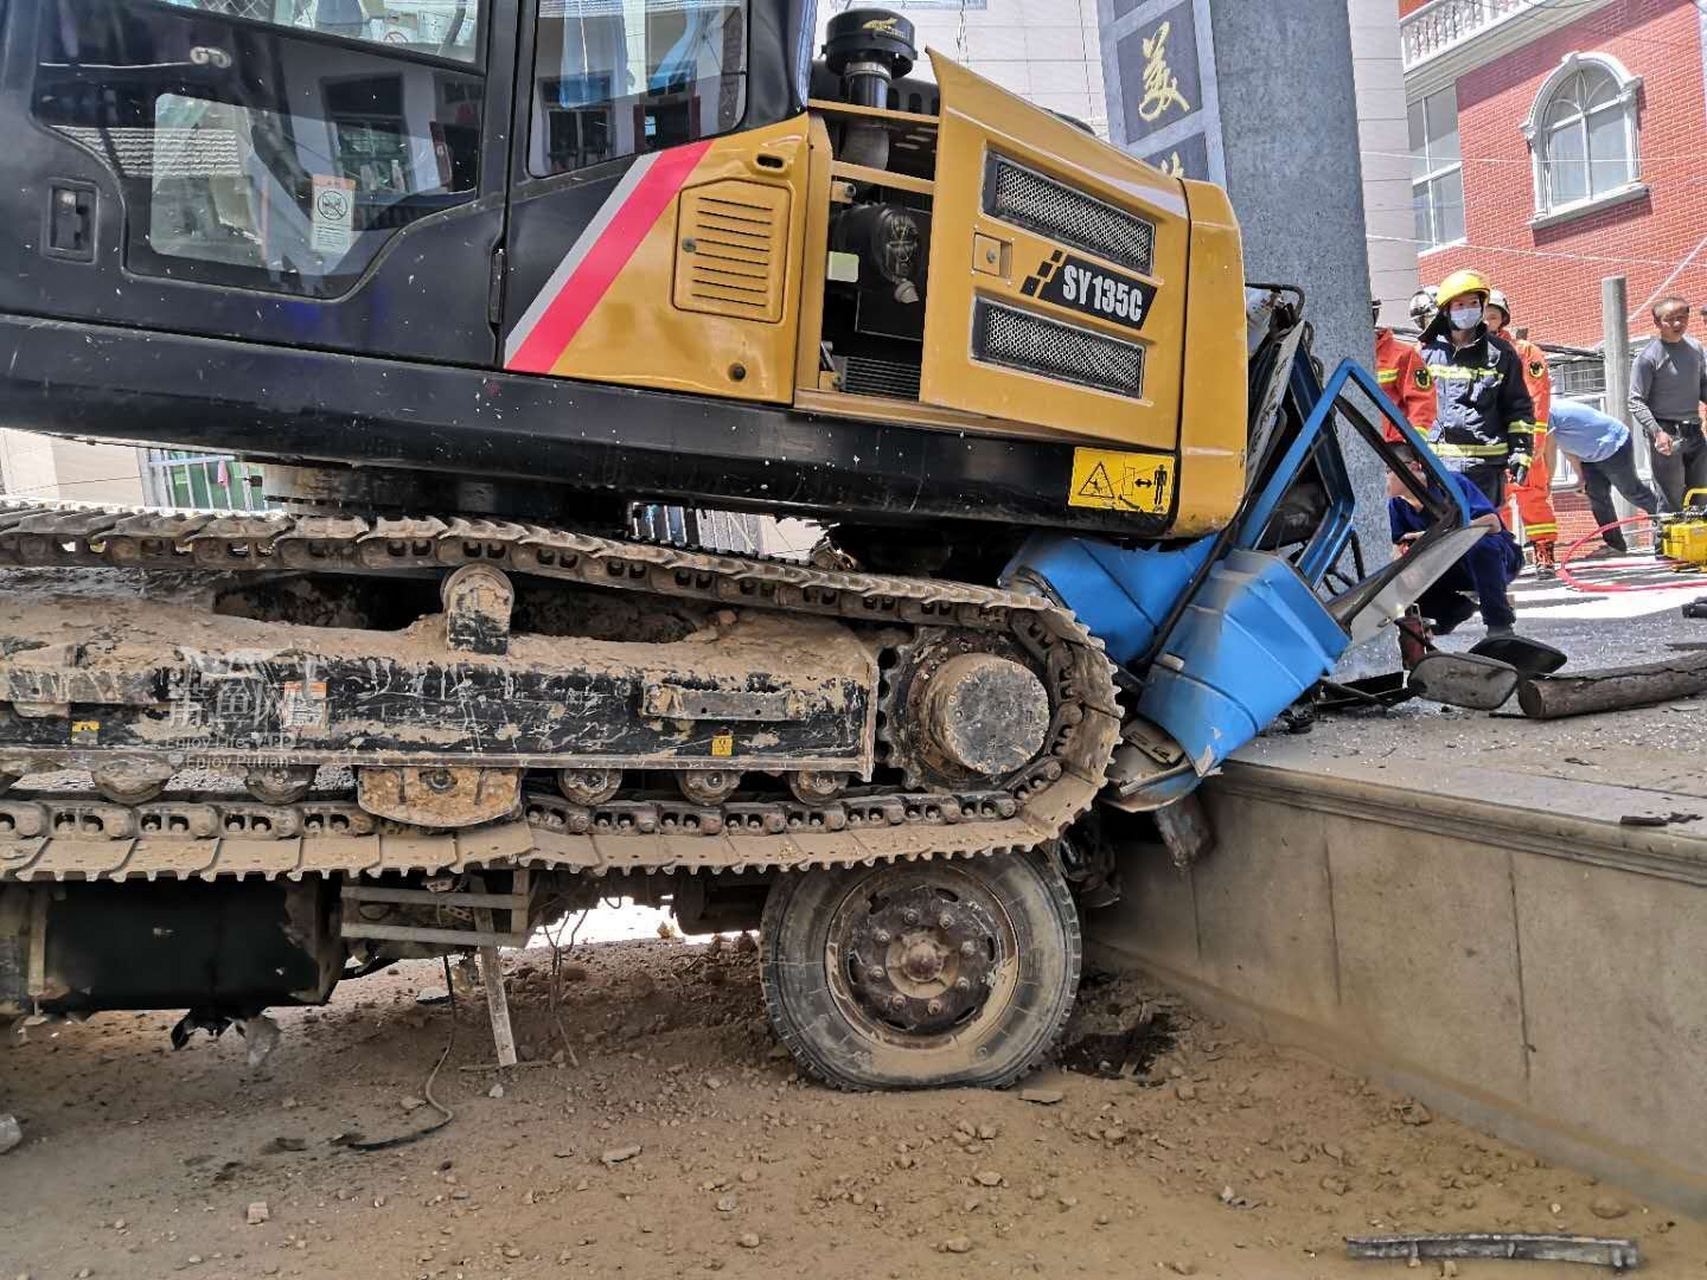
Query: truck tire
[922, 975]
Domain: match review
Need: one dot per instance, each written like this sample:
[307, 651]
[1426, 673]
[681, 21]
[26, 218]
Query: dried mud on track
[1225, 1159]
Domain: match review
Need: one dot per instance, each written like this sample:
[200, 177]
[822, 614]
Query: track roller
[132, 781]
[811, 786]
[439, 797]
[708, 786]
[589, 786]
[280, 784]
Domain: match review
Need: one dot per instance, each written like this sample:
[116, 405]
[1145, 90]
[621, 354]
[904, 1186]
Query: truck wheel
[922, 975]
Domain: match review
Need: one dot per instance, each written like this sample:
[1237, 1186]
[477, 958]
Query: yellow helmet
[1460, 283]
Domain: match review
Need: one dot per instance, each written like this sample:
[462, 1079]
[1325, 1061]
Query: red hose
[1608, 588]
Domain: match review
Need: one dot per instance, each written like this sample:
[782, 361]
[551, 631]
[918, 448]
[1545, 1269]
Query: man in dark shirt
[1668, 382]
[1480, 577]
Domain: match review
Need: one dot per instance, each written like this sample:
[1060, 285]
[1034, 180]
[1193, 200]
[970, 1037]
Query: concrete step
[1500, 943]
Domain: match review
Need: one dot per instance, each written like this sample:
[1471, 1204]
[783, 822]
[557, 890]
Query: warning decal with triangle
[1117, 480]
[1098, 486]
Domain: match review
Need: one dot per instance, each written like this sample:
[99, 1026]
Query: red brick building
[1555, 142]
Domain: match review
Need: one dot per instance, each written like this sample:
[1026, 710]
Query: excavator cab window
[621, 79]
[269, 146]
[419, 26]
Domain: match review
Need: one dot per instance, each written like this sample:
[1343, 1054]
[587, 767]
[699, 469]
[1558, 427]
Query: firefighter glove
[1517, 467]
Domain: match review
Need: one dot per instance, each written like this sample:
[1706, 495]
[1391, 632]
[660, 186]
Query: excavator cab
[491, 254]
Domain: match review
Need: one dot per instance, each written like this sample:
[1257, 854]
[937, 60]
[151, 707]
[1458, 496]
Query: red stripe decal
[604, 262]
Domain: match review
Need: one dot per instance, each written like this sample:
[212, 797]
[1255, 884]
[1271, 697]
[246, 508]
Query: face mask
[1466, 317]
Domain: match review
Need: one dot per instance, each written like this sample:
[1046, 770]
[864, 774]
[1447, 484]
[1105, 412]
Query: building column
[1260, 98]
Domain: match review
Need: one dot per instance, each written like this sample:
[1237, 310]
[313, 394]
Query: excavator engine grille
[1027, 199]
[1018, 339]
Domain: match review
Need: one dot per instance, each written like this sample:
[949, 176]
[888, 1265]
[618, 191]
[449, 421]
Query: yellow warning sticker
[84, 733]
[1114, 481]
[723, 744]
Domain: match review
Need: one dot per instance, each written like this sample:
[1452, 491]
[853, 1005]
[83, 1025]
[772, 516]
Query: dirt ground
[679, 1141]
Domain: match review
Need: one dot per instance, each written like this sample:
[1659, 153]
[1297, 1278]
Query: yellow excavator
[483, 286]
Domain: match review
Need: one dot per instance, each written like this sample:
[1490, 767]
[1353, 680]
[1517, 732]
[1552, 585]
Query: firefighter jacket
[1400, 370]
[1535, 379]
[1483, 414]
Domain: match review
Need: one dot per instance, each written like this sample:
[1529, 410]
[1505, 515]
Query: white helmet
[1425, 304]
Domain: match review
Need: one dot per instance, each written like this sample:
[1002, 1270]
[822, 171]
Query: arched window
[1582, 132]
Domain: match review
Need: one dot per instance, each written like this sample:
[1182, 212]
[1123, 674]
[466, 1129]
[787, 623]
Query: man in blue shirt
[1607, 457]
[1480, 577]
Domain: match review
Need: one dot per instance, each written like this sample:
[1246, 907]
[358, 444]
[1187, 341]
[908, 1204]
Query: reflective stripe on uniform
[1541, 530]
[1460, 372]
[1470, 450]
[1384, 376]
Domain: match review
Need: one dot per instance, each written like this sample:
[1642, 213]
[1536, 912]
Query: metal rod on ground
[1616, 689]
[492, 970]
[1605, 1251]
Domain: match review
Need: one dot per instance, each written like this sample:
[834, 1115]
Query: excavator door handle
[71, 222]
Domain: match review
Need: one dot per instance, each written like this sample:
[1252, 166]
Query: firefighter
[1534, 496]
[1425, 305]
[1400, 370]
[1483, 421]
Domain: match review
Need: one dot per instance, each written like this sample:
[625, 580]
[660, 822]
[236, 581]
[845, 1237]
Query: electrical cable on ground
[446, 1115]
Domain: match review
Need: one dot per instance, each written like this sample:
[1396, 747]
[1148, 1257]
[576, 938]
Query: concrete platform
[1446, 905]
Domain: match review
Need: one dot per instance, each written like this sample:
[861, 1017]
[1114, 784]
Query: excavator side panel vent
[1024, 197]
[1018, 339]
[731, 252]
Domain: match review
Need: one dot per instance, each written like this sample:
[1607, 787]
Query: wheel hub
[920, 960]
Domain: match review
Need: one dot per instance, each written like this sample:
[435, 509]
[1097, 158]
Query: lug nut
[945, 921]
[909, 916]
[875, 973]
[968, 948]
[882, 937]
[960, 984]
[897, 1001]
[934, 1007]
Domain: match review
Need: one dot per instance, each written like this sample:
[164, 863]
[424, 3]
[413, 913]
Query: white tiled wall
[1384, 139]
[1046, 50]
[36, 466]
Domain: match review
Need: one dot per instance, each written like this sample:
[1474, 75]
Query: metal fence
[201, 481]
[712, 530]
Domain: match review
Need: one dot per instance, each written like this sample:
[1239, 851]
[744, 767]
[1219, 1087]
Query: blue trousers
[1485, 570]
